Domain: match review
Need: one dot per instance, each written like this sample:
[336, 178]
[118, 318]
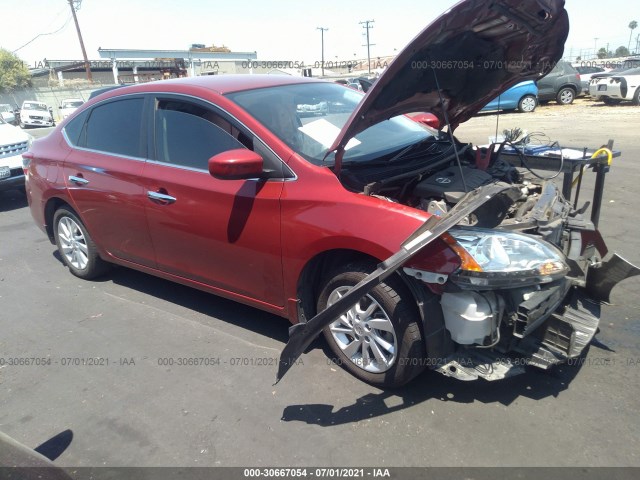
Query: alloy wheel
[73, 243]
[365, 333]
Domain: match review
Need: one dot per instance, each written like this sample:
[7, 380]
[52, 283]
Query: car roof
[221, 84]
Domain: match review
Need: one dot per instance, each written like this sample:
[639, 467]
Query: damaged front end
[527, 292]
[503, 315]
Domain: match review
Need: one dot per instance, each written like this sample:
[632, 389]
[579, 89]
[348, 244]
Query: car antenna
[453, 141]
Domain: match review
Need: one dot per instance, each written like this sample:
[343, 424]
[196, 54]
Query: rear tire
[636, 97]
[77, 249]
[379, 339]
[566, 96]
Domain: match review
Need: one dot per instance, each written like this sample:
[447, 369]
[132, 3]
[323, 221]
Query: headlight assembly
[496, 259]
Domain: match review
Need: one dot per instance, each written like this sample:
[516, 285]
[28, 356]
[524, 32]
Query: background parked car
[6, 112]
[586, 72]
[102, 90]
[562, 84]
[617, 88]
[35, 114]
[68, 106]
[626, 65]
[522, 96]
[13, 143]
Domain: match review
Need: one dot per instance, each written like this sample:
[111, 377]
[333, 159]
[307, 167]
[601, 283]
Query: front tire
[379, 339]
[527, 104]
[636, 97]
[566, 96]
[76, 247]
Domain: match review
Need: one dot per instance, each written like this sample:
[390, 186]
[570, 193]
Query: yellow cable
[596, 154]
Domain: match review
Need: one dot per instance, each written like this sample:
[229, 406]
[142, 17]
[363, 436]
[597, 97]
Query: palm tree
[632, 27]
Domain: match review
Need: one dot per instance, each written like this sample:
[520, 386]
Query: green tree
[622, 51]
[13, 72]
[632, 26]
[602, 53]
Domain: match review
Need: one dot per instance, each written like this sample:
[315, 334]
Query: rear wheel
[566, 96]
[378, 339]
[527, 104]
[636, 97]
[76, 247]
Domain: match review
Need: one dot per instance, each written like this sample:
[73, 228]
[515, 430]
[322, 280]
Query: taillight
[26, 161]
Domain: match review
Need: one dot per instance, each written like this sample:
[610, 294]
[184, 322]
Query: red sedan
[283, 193]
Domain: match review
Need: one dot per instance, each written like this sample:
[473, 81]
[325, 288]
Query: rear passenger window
[116, 127]
[74, 129]
[189, 135]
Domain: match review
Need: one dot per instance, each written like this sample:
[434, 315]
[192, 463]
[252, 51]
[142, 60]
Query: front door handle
[78, 180]
[161, 198]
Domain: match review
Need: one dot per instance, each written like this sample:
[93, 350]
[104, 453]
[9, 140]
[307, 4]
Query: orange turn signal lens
[467, 261]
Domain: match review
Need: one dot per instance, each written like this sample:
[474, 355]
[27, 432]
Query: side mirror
[236, 165]
[428, 119]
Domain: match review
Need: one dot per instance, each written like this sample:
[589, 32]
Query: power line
[43, 34]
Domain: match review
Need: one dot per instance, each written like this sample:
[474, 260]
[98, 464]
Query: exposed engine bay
[544, 322]
[433, 181]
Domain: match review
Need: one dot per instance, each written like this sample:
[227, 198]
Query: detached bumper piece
[473, 364]
[563, 335]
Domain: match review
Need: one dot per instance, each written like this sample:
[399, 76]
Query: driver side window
[188, 135]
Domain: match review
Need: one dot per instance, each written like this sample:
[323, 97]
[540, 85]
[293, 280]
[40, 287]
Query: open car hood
[473, 52]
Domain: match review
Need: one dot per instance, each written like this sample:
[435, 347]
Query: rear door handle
[161, 198]
[78, 180]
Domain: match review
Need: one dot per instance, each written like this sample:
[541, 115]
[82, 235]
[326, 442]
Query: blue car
[522, 97]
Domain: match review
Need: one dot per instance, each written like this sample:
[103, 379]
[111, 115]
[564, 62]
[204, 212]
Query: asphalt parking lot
[136, 406]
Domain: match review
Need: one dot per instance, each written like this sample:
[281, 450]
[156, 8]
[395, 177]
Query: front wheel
[379, 338]
[76, 247]
[566, 96]
[527, 104]
[636, 97]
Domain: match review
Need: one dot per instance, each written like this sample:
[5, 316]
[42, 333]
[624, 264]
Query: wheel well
[437, 340]
[53, 204]
[315, 272]
[571, 86]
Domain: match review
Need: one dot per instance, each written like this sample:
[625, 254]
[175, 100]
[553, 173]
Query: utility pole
[637, 43]
[87, 67]
[367, 27]
[322, 30]
[595, 47]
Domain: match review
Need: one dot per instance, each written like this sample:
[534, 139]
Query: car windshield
[308, 118]
[35, 106]
[72, 104]
[5, 108]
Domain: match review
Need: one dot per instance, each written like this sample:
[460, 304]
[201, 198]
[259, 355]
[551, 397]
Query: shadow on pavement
[12, 200]
[534, 384]
[229, 311]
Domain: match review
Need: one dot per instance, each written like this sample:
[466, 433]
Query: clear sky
[276, 29]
